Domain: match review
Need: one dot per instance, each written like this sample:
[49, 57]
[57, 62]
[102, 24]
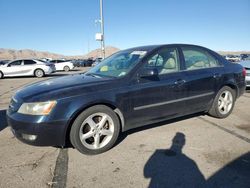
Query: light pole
[102, 29]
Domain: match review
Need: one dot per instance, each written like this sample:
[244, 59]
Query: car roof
[153, 47]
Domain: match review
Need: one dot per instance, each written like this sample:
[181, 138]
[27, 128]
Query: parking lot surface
[194, 151]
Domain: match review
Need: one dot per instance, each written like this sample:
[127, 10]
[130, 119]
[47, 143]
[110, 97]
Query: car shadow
[235, 174]
[123, 135]
[3, 120]
[172, 168]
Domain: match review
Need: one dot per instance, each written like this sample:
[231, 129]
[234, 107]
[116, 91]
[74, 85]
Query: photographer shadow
[172, 168]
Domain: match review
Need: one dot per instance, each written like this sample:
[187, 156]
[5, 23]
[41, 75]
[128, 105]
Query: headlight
[39, 108]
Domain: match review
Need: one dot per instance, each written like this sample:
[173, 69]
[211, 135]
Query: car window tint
[29, 62]
[198, 59]
[15, 63]
[165, 61]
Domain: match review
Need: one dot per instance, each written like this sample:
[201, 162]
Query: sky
[68, 26]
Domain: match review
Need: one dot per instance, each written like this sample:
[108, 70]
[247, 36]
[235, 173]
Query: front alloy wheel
[95, 130]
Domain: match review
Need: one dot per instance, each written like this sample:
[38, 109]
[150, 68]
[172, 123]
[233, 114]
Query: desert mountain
[26, 54]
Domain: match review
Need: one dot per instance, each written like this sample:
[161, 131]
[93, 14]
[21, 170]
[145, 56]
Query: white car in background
[63, 65]
[26, 67]
[246, 65]
[233, 58]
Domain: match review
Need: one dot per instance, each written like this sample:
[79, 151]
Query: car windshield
[117, 65]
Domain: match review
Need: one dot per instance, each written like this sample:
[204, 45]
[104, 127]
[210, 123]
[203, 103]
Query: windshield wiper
[93, 75]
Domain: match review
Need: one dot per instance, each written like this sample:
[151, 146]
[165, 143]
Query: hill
[26, 54]
[33, 54]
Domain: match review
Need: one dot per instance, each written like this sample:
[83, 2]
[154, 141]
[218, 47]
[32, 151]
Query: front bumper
[35, 130]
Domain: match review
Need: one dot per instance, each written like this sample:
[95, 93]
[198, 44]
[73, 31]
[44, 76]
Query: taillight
[244, 72]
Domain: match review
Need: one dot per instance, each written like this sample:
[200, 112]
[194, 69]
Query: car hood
[61, 87]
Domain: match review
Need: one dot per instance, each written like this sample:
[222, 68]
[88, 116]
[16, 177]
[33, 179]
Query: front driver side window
[15, 63]
[165, 61]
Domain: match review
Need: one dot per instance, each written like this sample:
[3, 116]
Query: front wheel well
[114, 108]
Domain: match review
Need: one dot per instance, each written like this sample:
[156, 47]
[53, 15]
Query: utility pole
[102, 29]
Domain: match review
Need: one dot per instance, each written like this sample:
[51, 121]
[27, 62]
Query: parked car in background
[131, 88]
[246, 65]
[84, 63]
[63, 65]
[244, 57]
[97, 61]
[3, 62]
[26, 67]
[233, 58]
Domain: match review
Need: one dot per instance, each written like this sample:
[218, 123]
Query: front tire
[223, 103]
[39, 73]
[95, 130]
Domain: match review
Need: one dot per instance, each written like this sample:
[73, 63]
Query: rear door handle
[180, 82]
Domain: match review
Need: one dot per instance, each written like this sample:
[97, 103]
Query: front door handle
[217, 75]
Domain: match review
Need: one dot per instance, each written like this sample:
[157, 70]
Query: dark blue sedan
[131, 88]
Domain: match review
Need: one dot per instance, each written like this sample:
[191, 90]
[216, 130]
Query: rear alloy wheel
[66, 69]
[223, 103]
[1, 75]
[39, 73]
[95, 130]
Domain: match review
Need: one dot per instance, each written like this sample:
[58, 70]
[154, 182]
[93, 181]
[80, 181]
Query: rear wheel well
[115, 109]
[234, 87]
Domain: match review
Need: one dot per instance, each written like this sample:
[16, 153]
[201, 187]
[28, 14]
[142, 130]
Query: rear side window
[165, 61]
[29, 62]
[198, 59]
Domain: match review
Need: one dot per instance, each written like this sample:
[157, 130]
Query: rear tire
[66, 68]
[95, 130]
[39, 73]
[1, 75]
[223, 103]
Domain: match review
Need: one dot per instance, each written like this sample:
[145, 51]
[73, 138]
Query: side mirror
[148, 72]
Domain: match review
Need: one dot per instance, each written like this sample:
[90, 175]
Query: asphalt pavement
[193, 151]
